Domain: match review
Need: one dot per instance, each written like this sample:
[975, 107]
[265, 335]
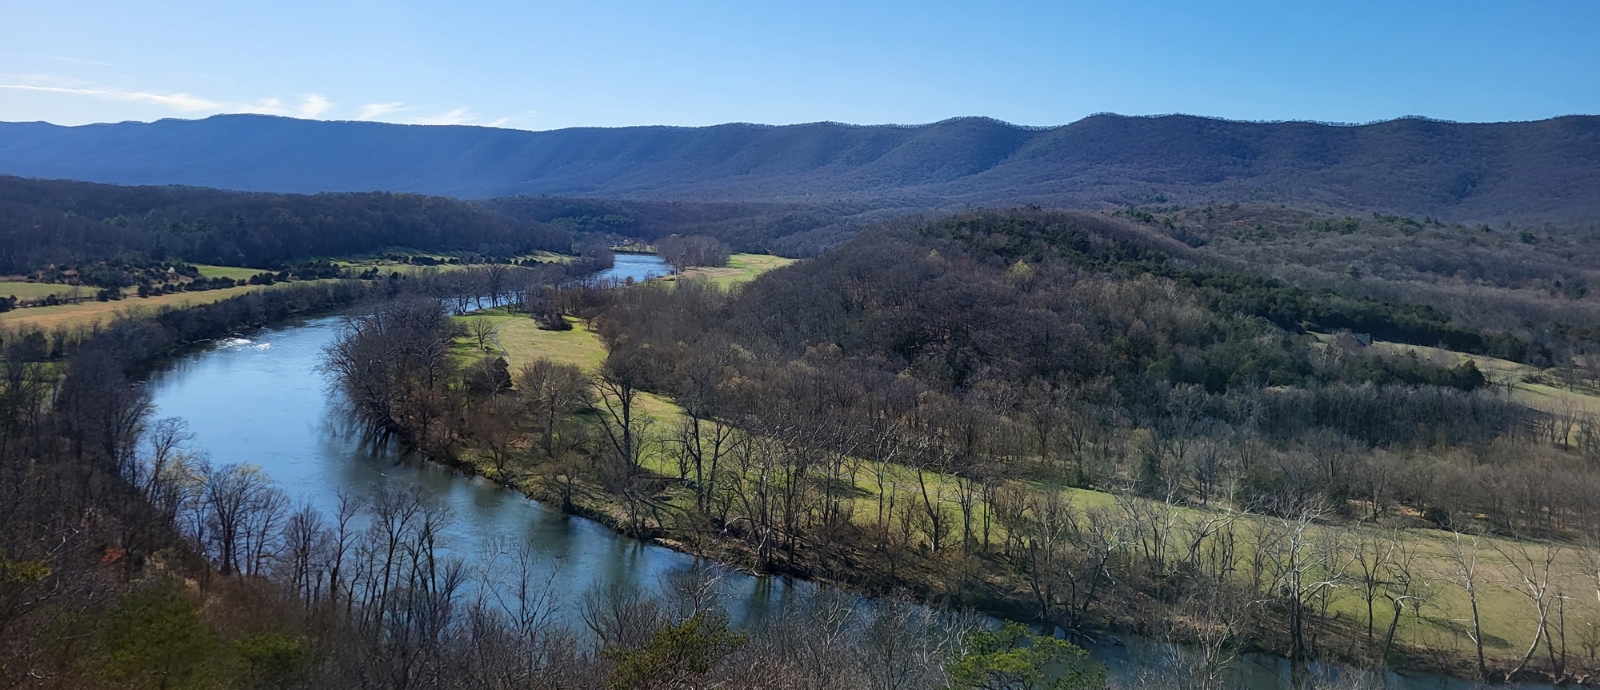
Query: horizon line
[958, 118]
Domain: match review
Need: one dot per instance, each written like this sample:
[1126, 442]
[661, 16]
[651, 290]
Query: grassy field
[1441, 622]
[741, 268]
[523, 342]
[85, 314]
[1520, 379]
[519, 339]
[233, 272]
[361, 263]
[27, 291]
[1441, 619]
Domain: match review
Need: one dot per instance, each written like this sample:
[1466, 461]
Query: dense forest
[1067, 324]
[1528, 280]
[791, 229]
[44, 223]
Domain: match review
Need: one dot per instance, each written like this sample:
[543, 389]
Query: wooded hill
[1000, 358]
[786, 229]
[56, 222]
[1530, 281]
[1526, 172]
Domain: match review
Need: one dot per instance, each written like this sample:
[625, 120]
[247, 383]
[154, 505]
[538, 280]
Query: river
[261, 400]
[639, 267]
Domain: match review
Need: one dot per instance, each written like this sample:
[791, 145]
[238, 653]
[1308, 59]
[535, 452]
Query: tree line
[1529, 281]
[46, 222]
[694, 250]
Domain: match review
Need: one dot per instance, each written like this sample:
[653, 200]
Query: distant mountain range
[1524, 172]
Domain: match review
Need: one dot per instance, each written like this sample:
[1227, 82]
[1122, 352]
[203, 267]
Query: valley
[1130, 402]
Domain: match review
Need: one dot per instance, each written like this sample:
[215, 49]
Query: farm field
[29, 291]
[741, 268]
[1521, 379]
[87, 314]
[234, 272]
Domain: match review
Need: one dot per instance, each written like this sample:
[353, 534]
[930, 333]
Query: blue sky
[543, 65]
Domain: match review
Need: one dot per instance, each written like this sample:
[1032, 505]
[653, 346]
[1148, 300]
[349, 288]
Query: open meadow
[32, 291]
[741, 268]
[88, 313]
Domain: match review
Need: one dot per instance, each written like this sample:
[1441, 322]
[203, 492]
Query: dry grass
[234, 272]
[523, 343]
[85, 314]
[741, 268]
[1516, 377]
[28, 291]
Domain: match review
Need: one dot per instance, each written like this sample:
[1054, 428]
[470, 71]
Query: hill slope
[1524, 172]
[46, 223]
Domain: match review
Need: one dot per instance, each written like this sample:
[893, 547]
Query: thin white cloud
[402, 114]
[178, 101]
[314, 104]
[459, 116]
[376, 110]
[307, 105]
[311, 105]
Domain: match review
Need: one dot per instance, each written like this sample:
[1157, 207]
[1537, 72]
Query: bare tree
[620, 616]
[618, 385]
[482, 329]
[1300, 569]
[240, 509]
[496, 282]
[1402, 589]
[1462, 551]
[1533, 565]
[494, 425]
[393, 364]
[1373, 555]
[303, 562]
[551, 392]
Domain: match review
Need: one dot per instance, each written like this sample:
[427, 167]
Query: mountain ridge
[1526, 172]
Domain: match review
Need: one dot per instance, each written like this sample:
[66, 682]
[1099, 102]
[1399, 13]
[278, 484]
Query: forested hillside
[1525, 172]
[56, 222]
[788, 229]
[1080, 420]
[1530, 281]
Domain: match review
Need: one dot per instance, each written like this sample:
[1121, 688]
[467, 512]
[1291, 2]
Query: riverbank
[945, 581]
[89, 314]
